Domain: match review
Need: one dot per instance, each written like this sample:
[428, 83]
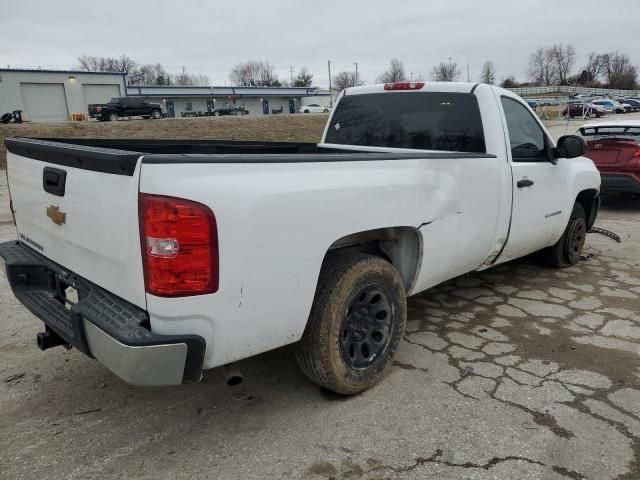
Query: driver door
[539, 185]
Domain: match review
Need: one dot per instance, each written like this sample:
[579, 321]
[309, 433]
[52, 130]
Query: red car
[583, 110]
[615, 149]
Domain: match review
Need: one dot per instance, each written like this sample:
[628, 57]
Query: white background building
[180, 101]
[53, 96]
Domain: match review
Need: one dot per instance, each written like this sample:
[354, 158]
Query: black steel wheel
[356, 323]
[366, 327]
[567, 250]
[574, 240]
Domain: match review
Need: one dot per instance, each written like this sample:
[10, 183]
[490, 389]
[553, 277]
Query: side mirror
[570, 146]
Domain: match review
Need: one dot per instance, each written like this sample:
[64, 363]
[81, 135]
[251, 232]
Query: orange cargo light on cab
[179, 246]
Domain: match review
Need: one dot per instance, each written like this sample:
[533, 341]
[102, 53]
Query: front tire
[113, 117]
[306, 111]
[566, 252]
[356, 323]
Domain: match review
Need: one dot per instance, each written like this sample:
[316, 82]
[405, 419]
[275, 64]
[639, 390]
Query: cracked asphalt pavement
[517, 372]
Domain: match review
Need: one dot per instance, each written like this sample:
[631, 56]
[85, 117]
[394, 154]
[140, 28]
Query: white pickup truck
[161, 258]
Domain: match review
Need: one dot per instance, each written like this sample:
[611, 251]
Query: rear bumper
[620, 182]
[101, 325]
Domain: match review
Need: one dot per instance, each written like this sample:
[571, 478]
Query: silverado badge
[56, 216]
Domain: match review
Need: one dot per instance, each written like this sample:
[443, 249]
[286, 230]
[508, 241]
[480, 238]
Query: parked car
[608, 106]
[618, 107]
[230, 109]
[160, 258]
[313, 108]
[533, 102]
[579, 109]
[635, 103]
[614, 147]
[124, 107]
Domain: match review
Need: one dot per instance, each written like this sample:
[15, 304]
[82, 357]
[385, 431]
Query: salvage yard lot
[517, 372]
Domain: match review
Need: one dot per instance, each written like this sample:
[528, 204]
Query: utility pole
[330, 90]
[355, 80]
[291, 70]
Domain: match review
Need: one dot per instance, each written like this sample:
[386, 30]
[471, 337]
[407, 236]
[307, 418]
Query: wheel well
[401, 246]
[587, 198]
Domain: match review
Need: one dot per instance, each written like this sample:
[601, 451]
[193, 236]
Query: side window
[528, 142]
[188, 106]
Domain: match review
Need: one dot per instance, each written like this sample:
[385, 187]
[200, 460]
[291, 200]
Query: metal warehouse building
[179, 101]
[54, 95]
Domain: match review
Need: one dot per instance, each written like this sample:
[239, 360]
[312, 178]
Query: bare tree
[344, 80]
[488, 73]
[445, 72]
[304, 78]
[593, 69]
[149, 74]
[189, 79]
[395, 72]
[106, 64]
[619, 71]
[509, 82]
[542, 67]
[564, 58]
[254, 73]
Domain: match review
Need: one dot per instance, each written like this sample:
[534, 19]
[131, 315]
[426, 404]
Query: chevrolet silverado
[161, 258]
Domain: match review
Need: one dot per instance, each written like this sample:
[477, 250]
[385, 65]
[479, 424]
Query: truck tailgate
[78, 206]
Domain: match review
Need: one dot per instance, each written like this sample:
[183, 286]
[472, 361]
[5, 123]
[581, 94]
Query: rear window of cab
[416, 120]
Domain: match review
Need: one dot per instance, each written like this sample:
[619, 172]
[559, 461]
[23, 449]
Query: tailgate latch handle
[54, 181]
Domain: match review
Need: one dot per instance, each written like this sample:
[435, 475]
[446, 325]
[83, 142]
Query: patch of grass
[278, 128]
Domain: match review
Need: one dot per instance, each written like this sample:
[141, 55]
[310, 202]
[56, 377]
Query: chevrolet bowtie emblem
[56, 216]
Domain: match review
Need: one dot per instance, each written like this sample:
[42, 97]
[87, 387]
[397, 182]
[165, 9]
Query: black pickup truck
[124, 107]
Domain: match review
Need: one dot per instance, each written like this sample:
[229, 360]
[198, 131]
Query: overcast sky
[210, 36]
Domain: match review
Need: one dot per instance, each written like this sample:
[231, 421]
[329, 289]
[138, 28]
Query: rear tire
[156, 114]
[356, 323]
[566, 252]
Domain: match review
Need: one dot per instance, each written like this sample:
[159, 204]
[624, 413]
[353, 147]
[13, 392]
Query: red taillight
[404, 86]
[179, 246]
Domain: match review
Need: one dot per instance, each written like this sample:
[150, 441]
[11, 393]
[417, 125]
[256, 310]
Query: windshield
[417, 120]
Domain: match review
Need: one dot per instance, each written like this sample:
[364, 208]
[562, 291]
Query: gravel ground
[517, 372]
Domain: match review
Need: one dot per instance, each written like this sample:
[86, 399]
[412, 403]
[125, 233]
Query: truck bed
[120, 156]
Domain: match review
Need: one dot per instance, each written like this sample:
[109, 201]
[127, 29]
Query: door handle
[524, 183]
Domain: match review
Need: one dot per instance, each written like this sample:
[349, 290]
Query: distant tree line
[552, 65]
[140, 74]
